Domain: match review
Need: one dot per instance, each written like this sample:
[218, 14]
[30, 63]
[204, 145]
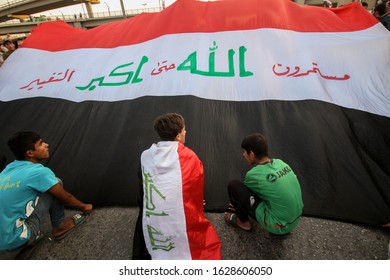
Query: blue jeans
[47, 204]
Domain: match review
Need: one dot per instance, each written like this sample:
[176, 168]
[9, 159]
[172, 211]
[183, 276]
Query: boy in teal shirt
[29, 191]
[270, 194]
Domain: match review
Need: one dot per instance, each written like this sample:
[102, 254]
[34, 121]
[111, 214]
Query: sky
[113, 5]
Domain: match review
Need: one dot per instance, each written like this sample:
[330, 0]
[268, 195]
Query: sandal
[230, 209]
[231, 218]
[78, 219]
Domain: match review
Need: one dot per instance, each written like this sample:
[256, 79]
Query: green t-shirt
[278, 187]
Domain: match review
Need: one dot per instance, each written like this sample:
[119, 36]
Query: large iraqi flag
[315, 81]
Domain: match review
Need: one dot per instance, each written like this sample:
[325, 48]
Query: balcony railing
[60, 16]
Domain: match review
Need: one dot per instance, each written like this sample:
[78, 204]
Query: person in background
[11, 47]
[3, 50]
[379, 12]
[327, 4]
[385, 19]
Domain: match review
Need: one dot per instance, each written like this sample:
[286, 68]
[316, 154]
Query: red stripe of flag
[188, 16]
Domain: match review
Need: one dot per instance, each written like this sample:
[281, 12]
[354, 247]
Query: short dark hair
[380, 8]
[169, 125]
[7, 41]
[23, 141]
[257, 143]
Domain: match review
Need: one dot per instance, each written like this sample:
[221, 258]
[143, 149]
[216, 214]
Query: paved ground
[108, 235]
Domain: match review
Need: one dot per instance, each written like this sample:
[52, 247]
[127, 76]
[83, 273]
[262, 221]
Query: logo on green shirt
[272, 177]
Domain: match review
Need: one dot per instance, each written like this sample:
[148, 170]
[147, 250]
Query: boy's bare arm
[68, 199]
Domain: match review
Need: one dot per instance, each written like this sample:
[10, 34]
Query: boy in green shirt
[270, 193]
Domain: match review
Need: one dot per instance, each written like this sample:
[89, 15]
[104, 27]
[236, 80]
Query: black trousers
[243, 200]
[140, 252]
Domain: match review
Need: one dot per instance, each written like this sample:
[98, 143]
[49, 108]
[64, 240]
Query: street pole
[108, 7]
[63, 17]
[123, 9]
[82, 6]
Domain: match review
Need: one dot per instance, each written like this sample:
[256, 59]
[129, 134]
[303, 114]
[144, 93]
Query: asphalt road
[108, 235]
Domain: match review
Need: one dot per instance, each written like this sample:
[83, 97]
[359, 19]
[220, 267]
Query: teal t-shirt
[278, 187]
[20, 184]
